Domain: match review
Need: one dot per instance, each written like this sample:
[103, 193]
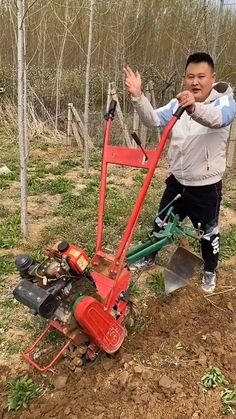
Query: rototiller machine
[88, 301]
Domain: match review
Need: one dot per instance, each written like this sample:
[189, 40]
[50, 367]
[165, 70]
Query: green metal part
[158, 240]
[76, 302]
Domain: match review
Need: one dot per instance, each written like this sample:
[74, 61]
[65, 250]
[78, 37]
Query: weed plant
[20, 391]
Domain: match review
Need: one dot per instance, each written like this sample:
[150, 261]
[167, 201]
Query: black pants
[201, 204]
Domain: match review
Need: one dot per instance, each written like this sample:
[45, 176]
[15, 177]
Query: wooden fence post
[77, 136]
[108, 96]
[231, 145]
[79, 131]
[69, 123]
[143, 130]
[135, 122]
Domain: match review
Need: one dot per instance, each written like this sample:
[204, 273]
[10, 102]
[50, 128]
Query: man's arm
[154, 117]
[149, 116]
[218, 114]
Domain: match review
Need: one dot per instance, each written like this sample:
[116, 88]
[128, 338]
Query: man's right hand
[133, 82]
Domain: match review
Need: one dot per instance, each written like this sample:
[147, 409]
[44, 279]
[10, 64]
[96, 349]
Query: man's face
[198, 79]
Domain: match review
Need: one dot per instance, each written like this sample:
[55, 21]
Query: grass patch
[40, 169]
[92, 187]
[13, 346]
[214, 378]
[5, 182]
[78, 208]
[139, 177]
[68, 164]
[228, 399]
[4, 211]
[3, 280]
[20, 391]
[95, 160]
[228, 243]
[7, 265]
[135, 290]
[156, 283]
[140, 324]
[57, 170]
[68, 204]
[10, 233]
[10, 303]
[43, 146]
[6, 179]
[50, 186]
[84, 235]
[55, 337]
[38, 255]
[27, 325]
[226, 204]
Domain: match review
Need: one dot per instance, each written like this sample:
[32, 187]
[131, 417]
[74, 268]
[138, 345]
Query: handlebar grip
[179, 112]
[136, 138]
[112, 107]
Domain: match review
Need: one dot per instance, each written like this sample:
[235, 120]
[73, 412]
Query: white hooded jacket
[197, 152]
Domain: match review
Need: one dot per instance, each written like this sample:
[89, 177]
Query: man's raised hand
[133, 82]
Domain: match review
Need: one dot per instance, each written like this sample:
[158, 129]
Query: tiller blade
[182, 266]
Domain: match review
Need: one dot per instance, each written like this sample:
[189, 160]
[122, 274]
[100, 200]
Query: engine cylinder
[25, 264]
[36, 298]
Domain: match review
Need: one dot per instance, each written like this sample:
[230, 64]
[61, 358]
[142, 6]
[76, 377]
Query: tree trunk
[21, 68]
[87, 79]
[26, 144]
[217, 31]
[59, 67]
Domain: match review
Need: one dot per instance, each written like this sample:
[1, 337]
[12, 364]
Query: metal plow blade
[182, 266]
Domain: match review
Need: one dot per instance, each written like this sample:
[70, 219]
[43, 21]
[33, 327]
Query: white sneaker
[144, 263]
[208, 282]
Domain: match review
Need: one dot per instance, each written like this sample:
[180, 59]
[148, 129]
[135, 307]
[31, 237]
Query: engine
[49, 288]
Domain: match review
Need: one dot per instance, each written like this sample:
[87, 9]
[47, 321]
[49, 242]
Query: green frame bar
[161, 239]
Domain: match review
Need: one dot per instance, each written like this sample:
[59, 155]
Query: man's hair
[200, 57]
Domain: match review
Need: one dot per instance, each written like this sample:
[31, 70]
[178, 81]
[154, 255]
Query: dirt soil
[149, 377]
[157, 372]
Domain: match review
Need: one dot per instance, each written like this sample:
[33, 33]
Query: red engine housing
[77, 258]
[103, 329]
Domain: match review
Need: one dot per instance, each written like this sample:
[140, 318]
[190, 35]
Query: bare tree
[21, 89]
[150, 35]
[60, 63]
[87, 83]
[217, 31]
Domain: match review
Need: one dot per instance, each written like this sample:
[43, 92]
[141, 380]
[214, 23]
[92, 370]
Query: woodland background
[153, 36]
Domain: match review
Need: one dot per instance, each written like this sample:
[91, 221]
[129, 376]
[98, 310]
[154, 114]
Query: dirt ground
[149, 377]
[157, 372]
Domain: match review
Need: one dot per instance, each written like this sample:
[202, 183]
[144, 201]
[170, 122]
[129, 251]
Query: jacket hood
[219, 89]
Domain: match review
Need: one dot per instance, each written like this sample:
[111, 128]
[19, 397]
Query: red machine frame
[111, 281]
[109, 273]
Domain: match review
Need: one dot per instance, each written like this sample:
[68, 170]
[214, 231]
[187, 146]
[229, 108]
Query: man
[196, 153]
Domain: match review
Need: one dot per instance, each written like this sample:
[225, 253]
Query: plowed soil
[157, 372]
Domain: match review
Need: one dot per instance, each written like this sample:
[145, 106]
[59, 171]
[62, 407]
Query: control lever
[138, 142]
